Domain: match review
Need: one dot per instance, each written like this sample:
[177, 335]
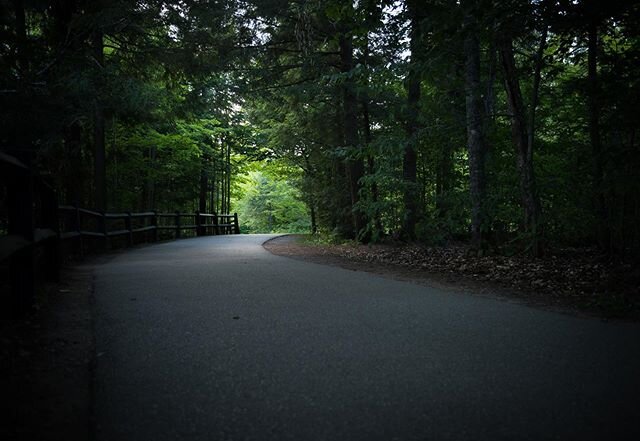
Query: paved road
[216, 339]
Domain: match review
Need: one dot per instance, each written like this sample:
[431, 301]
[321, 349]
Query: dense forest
[510, 125]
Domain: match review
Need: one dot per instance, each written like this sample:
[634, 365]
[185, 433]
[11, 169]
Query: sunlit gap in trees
[268, 201]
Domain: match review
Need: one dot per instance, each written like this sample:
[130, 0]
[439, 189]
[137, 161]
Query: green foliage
[144, 155]
[271, 204]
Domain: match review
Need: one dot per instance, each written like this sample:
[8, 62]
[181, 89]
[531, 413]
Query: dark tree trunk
[535, 90]
[214, 185]
[99, 156]
[204, 185]
[73, 170]
[223, 178]
[217, 180]
[355, 166]
[410, 157]
[314, 222]
[604, 231]
[377, 221]
[371, 168]
[100, 169]
[475, 131]
[490, 92]
[229, 178]
[524, 150]
[336, 198]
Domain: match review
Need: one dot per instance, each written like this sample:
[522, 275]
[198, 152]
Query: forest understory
[579, 281]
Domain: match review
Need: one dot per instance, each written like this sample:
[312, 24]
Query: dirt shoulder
[578, 282]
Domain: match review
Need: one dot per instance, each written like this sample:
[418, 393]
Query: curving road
[216, 339]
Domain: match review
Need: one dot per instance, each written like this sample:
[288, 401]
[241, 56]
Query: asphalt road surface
[216, 339]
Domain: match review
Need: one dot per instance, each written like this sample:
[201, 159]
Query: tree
[409, 159]
[475, 125]
[522, 130]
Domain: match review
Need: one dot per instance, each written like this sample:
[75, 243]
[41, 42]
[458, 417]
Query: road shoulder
[396, 262]
[47, 363]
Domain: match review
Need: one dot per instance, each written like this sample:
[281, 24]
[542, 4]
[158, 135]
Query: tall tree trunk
[410, 157]
[99, 165]
[114, 184]
[314, 222]
[216, 189]
[73, 170]
[223, 178]
[99, 156]
[604, 231]
[228, 183]
[337, 202]
[375, 195]
[535, 90]
[212, 191]
[490, 92]
[524, 151]
[204, 185]
[475, 131]
[355, 166]
[371, 168]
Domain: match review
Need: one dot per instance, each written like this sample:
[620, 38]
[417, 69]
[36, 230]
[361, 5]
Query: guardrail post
[154, 223]
[128, 227]
[178, 232]
[236, 225]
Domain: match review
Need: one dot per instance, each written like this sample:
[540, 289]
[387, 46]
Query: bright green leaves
[271, 203]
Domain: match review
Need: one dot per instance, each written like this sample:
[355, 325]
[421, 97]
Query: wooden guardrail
[35, 228]
[75, 222]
